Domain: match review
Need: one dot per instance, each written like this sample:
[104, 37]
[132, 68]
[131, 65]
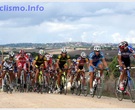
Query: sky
[93, 22]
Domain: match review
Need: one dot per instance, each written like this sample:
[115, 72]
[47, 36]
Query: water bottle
[94, 82]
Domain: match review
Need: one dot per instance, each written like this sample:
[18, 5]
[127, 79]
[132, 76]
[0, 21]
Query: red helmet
[21, 52]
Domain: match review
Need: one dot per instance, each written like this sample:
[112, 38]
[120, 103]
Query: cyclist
[8, 63]
[49, 66]
[124, 54]
[81, 61]
[39, 62]
[21, 61]
[97, 59]
[63, 62]
[49, 61]
[73, 71]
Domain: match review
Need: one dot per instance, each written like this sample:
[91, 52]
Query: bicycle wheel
[99, 88]
[79, 88]
[65, 86]
[131, 89]
[85, 88]
[94, 90]
[119, 94]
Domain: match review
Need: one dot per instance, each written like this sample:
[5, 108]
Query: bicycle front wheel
[99, 88]
[119, 94]
[131, 89]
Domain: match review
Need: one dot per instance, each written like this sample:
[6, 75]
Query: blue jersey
[96, 58]
[126, 54]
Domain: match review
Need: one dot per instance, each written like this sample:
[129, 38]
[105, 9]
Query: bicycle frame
[129, 86]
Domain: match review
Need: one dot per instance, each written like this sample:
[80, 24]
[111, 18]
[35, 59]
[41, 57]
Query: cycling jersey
[125, 55]
[81, 61]
[39, 61]
[62, 60]
[8, 64]
[21, 59]
[95, 58]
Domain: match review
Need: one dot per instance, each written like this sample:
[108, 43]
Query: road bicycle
[129, 86]
[98, 83]
[78, 85]
[7, 81]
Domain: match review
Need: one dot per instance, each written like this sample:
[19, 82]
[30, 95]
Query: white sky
[105, 22]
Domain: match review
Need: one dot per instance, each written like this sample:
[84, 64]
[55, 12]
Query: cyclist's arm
[91, 63]
[87, 63]
[134, 56]
[69, 62]
[105, 63]
[45, 63]
[34, 63]
[28, 65]
[57, 64]
[119, 60]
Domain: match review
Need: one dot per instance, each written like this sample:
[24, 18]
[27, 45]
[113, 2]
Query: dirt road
[35, 100]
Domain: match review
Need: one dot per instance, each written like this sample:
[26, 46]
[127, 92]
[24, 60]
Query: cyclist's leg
[59, 77]
[100, 65]
[67, 71]
[11, 78]
[91, 73]
[36, 75]
[123, 75]
[19, 71]
[25, 75]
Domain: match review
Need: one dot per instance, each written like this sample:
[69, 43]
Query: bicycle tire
[131, 89]
[79, 89]
[65, 87]
[85, 88]
[119, 94]
[94, 91]
[99, 88]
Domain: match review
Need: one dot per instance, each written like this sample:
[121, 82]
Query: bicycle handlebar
[126, 67]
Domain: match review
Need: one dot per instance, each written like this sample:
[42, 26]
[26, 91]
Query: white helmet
[83, 55]
[48, 56]
[28, 54]
[41, 52]
[97, 48]
[11, 54]
[64, 50]
[74, 60]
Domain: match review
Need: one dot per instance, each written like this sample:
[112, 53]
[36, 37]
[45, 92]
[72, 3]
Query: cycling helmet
[83, 55]
[97, 48]
[64, 50]
[123, 45]
[28, 54]
[11, 54]
[21, 52]
[74, 60]
[41, 52]
[48, 56]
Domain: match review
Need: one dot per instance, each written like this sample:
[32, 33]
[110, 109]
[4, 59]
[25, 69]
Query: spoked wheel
[119, 94]
[99, 88]
[79, 90]
[86, 89]
[65, 86]
[94, 91]
[131, 89]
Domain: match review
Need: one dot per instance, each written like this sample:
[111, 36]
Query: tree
[113, 68]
